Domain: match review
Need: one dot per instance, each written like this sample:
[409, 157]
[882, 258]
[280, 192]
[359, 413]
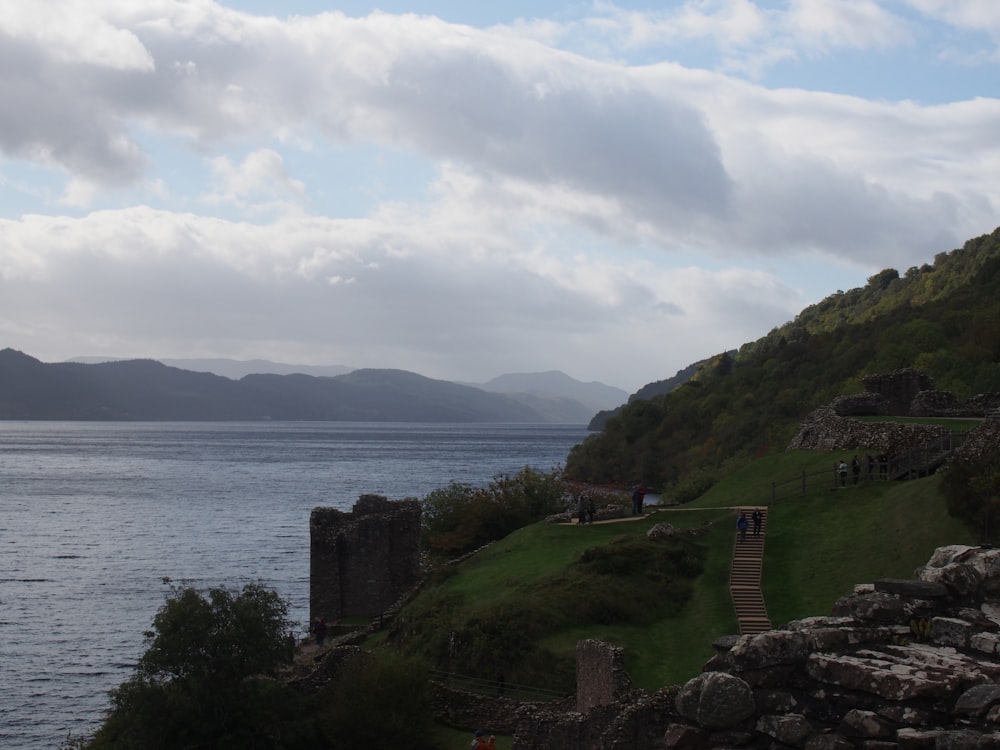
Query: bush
[972, 489]
[378, 701]
[205, 679]
[460, 518]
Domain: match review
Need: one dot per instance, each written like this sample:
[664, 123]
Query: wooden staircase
[744, 577]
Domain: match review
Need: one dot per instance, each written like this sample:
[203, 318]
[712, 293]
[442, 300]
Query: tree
[972, 489]
[206, 678]
[378, 700]
[460, 518]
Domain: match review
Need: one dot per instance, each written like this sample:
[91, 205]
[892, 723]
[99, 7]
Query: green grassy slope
[534, 584]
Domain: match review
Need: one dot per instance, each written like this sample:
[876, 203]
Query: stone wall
[601, 678]
[910, 392]
[898, 388]
[823, 429]
[898, 665]
[362, 562]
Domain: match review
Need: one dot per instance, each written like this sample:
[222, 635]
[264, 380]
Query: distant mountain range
[149, 390]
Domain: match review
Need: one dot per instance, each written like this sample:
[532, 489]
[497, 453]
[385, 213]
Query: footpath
[745, 570]
[744, 576]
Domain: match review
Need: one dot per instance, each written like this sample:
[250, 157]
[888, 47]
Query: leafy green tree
[460, 518]
[206, 678]
[380, 700]
[972, 489]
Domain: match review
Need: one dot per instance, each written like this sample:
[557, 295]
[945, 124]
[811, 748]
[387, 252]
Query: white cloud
[261, 174]
[565, 202]
[860, 24]
[978, 15]
[169, 283]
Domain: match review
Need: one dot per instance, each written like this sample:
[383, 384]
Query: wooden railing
[918, 462]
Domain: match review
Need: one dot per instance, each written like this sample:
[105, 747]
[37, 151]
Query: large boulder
[716, 700]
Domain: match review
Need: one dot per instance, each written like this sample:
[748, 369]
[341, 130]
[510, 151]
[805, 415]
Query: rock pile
[899, 664]
[823, 429]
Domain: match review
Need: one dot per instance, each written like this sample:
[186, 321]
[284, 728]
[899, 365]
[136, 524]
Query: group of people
[318, 630]
[743, 523]
[870, 462]
[638, 498]
[479, 741]
[585, 509]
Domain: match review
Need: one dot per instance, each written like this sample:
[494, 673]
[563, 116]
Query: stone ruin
[898, 388]
[362, 562]
[898, 665]
[825, 430]
[910, 393]
[906, 392]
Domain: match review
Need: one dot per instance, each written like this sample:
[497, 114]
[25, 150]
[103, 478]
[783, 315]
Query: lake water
[94, 515]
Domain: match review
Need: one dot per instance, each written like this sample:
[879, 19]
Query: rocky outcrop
[910, 393]
[823, 429]
[980, 442]
[898, 664]
[898, 388]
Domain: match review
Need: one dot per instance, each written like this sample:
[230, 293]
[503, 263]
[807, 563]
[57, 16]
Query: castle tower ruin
[361, 562]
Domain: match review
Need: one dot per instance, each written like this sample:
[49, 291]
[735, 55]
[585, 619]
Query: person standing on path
[742, 524]
[637, 497]
[479, 742]
[319, 631]
[758, 518]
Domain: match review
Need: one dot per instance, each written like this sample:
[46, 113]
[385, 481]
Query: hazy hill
[237, 368]
[943, 319]
[148, 390]
[648, 391]
[556, 394]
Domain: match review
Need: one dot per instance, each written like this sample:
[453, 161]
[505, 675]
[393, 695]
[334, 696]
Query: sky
[613, 189]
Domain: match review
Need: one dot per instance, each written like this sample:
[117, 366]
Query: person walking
[842, 469]
[581, 509]
[742, 524]
[319, 631]
[758, 519]
[637, 498]
[479, 741]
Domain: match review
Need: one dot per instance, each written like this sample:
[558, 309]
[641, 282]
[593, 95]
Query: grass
[817, 549]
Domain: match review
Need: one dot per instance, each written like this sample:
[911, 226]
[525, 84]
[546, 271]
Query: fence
[917, 462]
[497, 687]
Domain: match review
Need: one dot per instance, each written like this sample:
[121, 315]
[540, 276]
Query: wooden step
[744, 578]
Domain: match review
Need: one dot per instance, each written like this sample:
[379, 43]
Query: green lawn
[817, 549]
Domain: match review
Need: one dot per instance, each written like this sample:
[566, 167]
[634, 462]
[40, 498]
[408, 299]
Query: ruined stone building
[361, 562]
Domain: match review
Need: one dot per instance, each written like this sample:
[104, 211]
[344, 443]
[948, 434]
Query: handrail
[498, 688]
[910, 464]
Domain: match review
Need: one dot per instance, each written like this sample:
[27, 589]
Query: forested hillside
[943, 319]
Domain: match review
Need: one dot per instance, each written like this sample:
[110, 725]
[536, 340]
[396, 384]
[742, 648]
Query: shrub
[460, 518]
[205, 679]
[972, 489]
[378, 701]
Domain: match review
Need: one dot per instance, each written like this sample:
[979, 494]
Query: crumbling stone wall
[362, 562]
[601, 677]
[865, 404]
[910, 392]
[898, 388]
[898, 665]
[824, 430]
